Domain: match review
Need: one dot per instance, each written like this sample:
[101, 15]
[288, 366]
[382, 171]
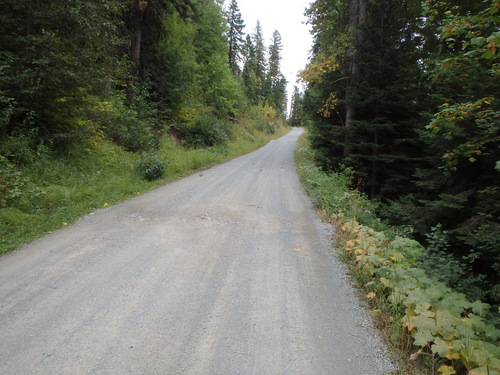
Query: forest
[406, 96]
[402, 105]
[130, 88]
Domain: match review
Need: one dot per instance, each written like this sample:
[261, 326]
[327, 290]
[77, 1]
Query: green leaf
[477, 41]
[480, 308]
[422, 338]
[487, 55]
[440, 347]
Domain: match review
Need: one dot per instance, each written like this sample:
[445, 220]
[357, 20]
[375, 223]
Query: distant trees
[263, 80]
[406, 93]
[296, 117]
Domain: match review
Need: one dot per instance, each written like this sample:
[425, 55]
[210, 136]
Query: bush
[206, 130]
[124, 126]
[151, 166]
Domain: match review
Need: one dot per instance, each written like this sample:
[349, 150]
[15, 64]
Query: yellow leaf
[453, 355]
[371, 295]
[446, 370]
[295, 249]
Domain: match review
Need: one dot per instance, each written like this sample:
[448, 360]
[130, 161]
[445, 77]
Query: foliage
[206, 130]
[151, 166]
[297, 117]
[424, 143]
[442, 323]
[423, 315]
[332, 193]
[54, 54]
[266, 118]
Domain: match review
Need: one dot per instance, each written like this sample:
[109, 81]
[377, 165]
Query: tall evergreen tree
[217, 84]
[235, 36]
[276, 93]
[296, 111]
[374, 117]
[249, 74]
[260, 59]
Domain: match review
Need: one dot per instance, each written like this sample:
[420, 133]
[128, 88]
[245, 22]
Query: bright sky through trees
[286, 16]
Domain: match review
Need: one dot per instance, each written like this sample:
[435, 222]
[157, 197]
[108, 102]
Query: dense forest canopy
[406, 94]
[128, 69]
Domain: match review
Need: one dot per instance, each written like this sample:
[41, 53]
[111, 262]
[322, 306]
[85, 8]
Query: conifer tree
[235, 36]
[249, 71]
[276, 82]
[296, 112]
[260, 59]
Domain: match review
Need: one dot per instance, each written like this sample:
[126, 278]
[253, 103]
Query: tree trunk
[136, 17]
[357, 20]
[373, 183]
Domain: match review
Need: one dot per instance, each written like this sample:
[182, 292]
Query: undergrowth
[437, 329]
[53, 190]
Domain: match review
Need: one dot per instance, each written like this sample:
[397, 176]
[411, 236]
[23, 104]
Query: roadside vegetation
[54, 190]
[403, 114]
[433, 327]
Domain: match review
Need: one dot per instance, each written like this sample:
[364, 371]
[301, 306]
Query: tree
[357, 21]
[235, 36]
[276, 82]
[260, 59]
[220, 88]
[53, 56]
[374, 118]
[297, 111]
[249, 73]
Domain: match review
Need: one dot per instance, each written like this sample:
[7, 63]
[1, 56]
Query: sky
[286, 16]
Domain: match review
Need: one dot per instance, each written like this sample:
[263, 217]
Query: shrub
[206, 130]
[151, 166]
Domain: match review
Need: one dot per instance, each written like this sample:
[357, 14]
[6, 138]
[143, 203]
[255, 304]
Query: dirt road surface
[227, 271]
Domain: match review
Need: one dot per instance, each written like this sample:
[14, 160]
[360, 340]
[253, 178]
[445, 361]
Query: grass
[56, 190]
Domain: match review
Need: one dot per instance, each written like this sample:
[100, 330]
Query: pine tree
[275, 86]
[374, 116]
[260, 59]
[249, 74]
[296, 112]
[235, 36]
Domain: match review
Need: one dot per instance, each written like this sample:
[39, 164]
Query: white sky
[286, 16]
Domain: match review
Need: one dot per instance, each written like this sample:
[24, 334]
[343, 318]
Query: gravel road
[228, 271]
